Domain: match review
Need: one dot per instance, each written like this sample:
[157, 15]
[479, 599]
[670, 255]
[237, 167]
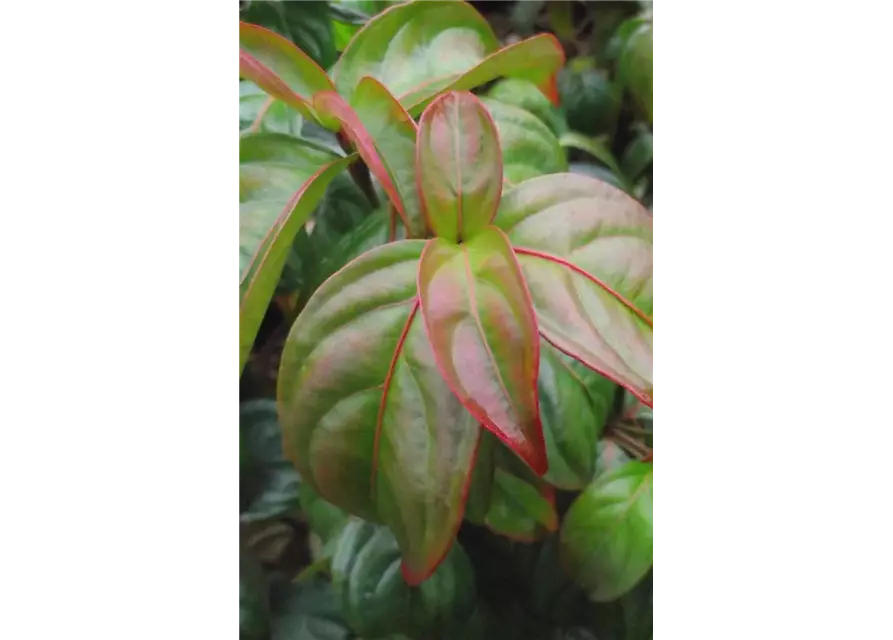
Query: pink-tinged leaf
[480, 322]
[258, 282]
[425, 455]
[281, 69]
[458, 166]
[589, 223]
[420, 49]
[385, 137]
[334, 365]
[591, 322]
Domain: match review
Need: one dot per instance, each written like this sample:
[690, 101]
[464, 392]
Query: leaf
[561, 19]
[258, 280]
[272, 483]
[529, 148]
[254, 608]
[459, 167]
[480, 491]
[638, 155]
[426, 447]
[635, 67]
[524, 95]
[334, 365]
[481, 325]
[598, 172]
[258, 112]
[574, 405]
[586, 252]
[377, 602]
[610, 456]
[385, 137]
[598, 149]
[606, 536]
[420, 49]
[589, 100]
[630, 617]
[323, 518]
[281, 69]
[520, 507]
[523, 15]
[273, 165]
[307, 25]
[309, 611]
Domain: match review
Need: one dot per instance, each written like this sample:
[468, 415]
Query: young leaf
[334, 365]
[385, 137]
[419, 49]
[521, 508]
[377, 602]
[574, 405]
[606, 536]
[481, 325]
[267, 229]
[459, 166]
[529, 148]
[585, 248]
[425, 450]
[280, 68]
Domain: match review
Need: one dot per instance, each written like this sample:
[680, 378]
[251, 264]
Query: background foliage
[310, 571]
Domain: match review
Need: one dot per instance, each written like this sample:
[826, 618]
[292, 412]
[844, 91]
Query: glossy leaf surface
[481, 325]
[258, 112]
[419, 49]
[524, 95]
[635, 66]
[589, 100]
[334, 365]
[585, 248]
[529, 148]
[385, 137]
[425, 455]
[375, 599]
[459, 166]
[268, 223]
[306, 24]
[574, 405]
[606, 536]
[281, 69]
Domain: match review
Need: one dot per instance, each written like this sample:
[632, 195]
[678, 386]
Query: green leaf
[610, 456]
[280, 68]
[638, 155]
[459, 166]
[529, 148]
[385, 137]
[258, 112]
[272, 483]
[524, 95]
[306, 24]
[377, 602]
[606, 536]
[523, 15]
[561, 18]
[574, 404]
[420, 49]
[333, 369]
[254, 607]
[259, 279]
[480, 491]
[309, 611]
[597, 148]
[323, 518]
[590, 101]
[426, 447]
[273, 165]
[521, 508]
[481, 325]
[598, 172]
[630, 617]
[586, 252]
[635, 67]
